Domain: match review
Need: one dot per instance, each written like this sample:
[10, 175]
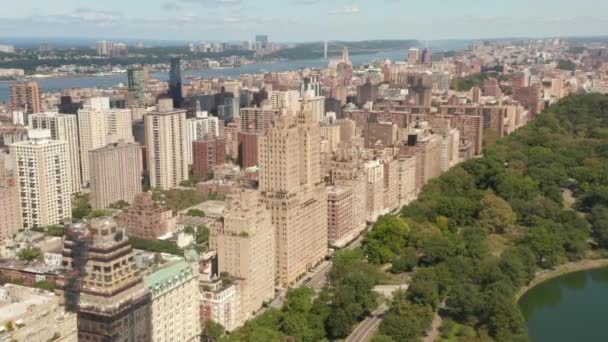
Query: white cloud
[347, 10]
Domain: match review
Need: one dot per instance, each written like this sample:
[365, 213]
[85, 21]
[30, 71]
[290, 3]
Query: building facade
[116, 171]
[63, 127]
[166, 146]
[10, 208]
[44, 180]
[175, 313]
[207, 154]
[147, 218]
[103, 285]
[25, 96]
[246, 249]
[291, 186]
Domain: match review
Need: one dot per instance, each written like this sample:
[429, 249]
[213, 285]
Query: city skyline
[235, 20]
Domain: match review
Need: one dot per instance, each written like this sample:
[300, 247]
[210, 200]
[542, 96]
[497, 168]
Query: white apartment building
[199, 128]
[166, 145]
[175, 312]
[63, 127]
[44, 179]
[98, 125]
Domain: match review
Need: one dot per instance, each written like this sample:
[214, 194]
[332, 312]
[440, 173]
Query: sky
[302, 20]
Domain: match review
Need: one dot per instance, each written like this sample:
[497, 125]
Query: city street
[367, 329]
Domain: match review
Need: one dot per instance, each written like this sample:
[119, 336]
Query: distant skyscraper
[137, 84]
[311, 87]
[103, 285]
[166, 145]
[44, 178]
[175, 82]
[413, 56]
[115, 173]
[345, 56]
[63, 127]
[26, 96]
[262, 39]
[426, 57]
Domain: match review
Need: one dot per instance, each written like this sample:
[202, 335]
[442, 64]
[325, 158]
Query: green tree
[55, 230]
[196, 213]
[406, 261]
[212, 332]
[338, 324]
[30, 254]
[45, 285]
[386, 240]
[406, 321]
[496, 214]
[119, 205]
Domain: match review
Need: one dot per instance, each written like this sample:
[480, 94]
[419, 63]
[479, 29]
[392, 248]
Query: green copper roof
[166, 277]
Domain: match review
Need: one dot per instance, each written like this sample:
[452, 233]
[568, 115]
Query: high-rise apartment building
[291, 186]
[201, 127]
[248, 149]
[166, 145]
[175, 81]
[257, 120]
[103, 285]
[413, 56]
[10, 208]
[340, 200]
[175, 312]
[246, 249]
[44, 179]
[115, 173]
[315, 106]
[311, 87]
[112, 49]
[136, 78]
[25, 96]
[288, 100]
[119, 125]
[63, 127]
[92, 130]
[207, 154]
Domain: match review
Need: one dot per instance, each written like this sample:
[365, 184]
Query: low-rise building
[147, 218]
[34, 315]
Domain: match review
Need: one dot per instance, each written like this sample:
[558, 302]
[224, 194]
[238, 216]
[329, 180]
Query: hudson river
[59, 83]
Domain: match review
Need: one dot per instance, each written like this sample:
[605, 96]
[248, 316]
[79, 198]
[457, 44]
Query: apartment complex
[174, 312]
[44, 179]
[103, 285]
[207, 154]
[63, 127]
[291, 186]
[166, 145]
[201, 127]
[25, 96]
[246, 249]
[92, 130]
[10, 208]
[116, 171]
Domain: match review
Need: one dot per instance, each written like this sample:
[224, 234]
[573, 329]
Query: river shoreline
[571, 267]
